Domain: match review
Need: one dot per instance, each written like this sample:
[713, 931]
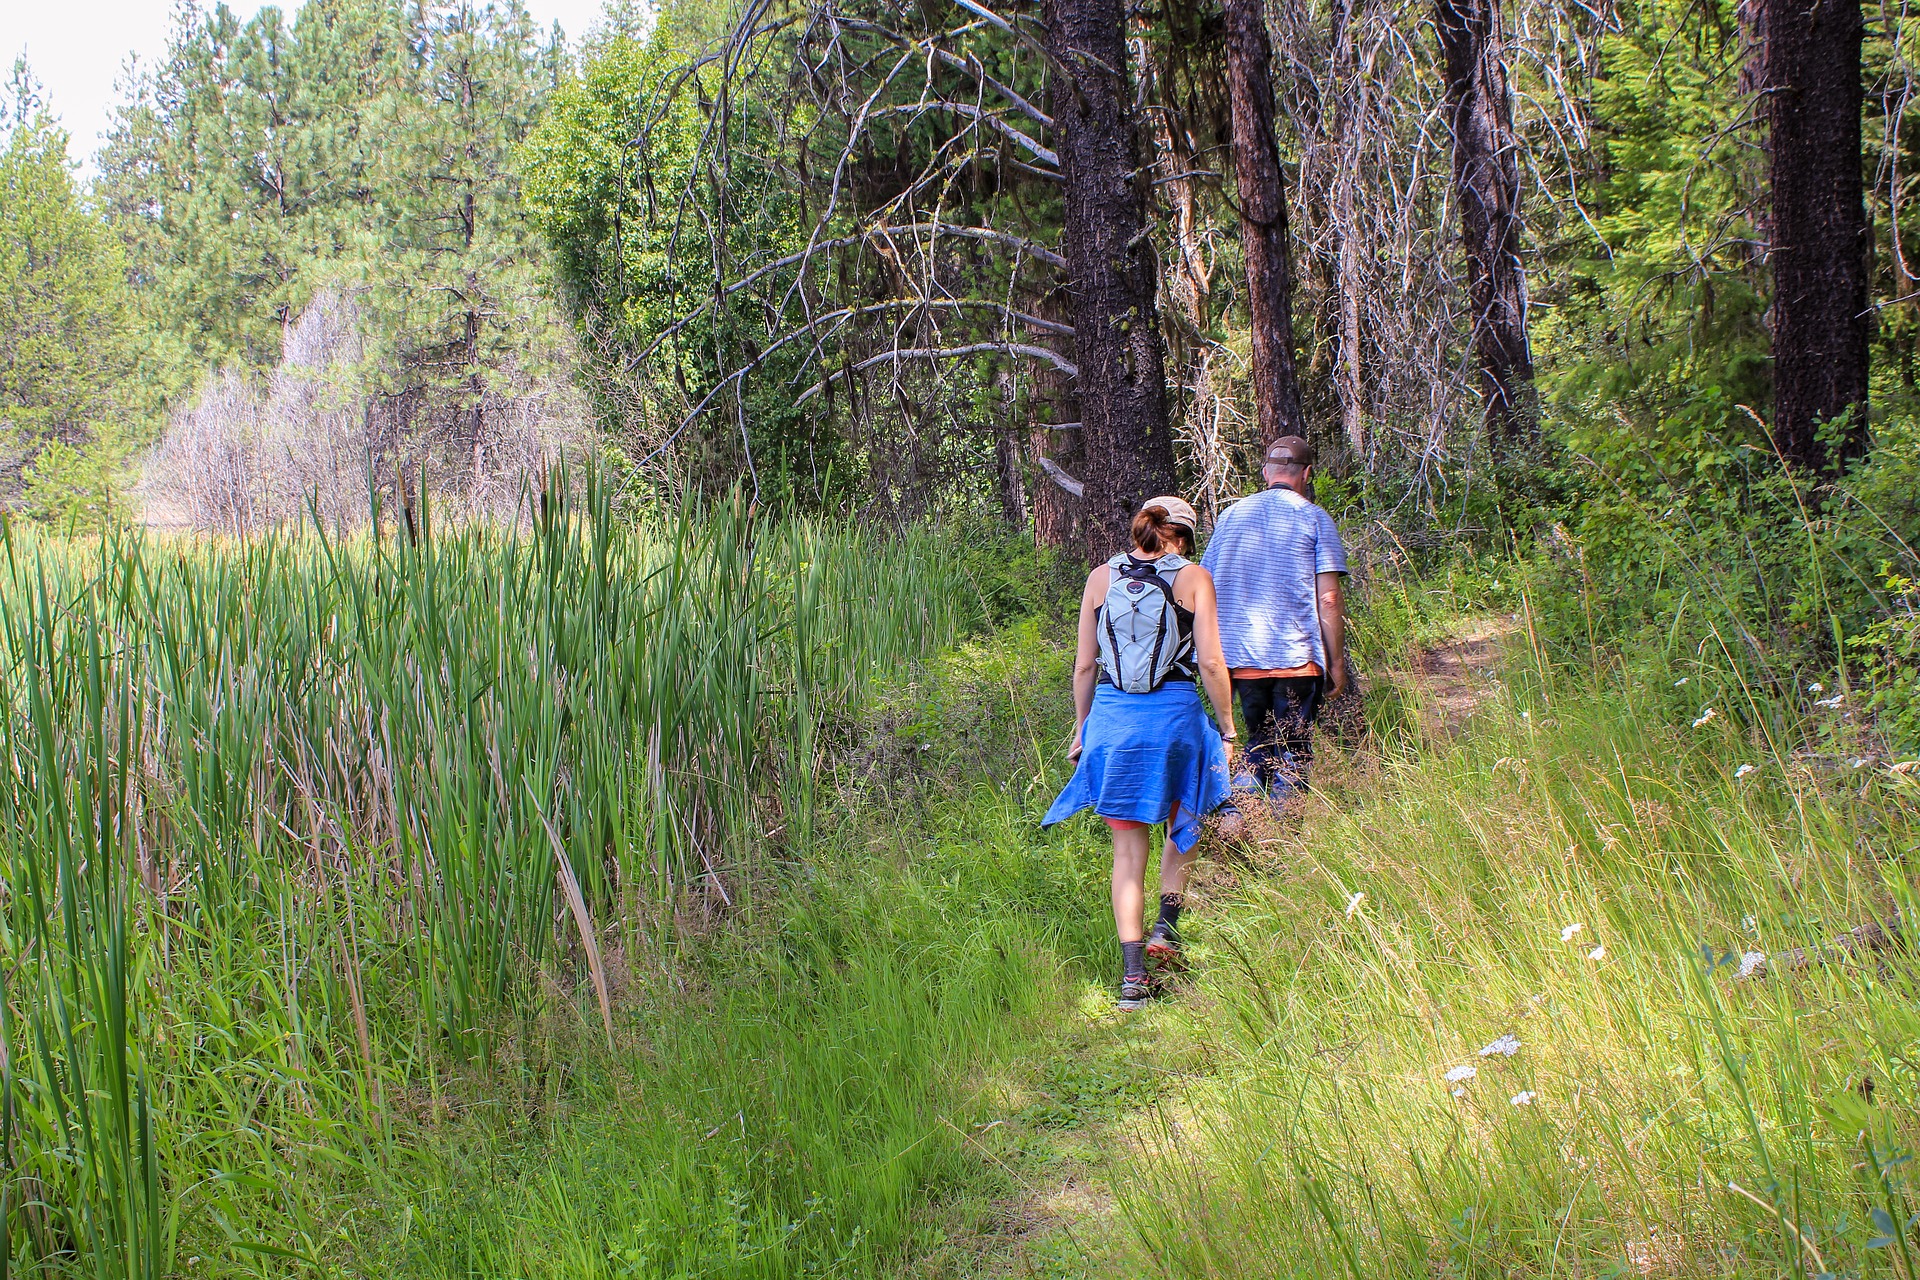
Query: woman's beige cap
[1179, 511]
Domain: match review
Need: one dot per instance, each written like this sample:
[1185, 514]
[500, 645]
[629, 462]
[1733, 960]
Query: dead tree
[1486, 173]
[1819, 229]
[1176, 117]
[1126, 440]
[1263, 219]
[1350, 112]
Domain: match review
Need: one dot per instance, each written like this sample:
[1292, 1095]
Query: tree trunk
[1819, 238]
[1263, 219]
[1195, 409]
[1126, 443]
[1349, 116]
[1486, 175]
[1057, 513]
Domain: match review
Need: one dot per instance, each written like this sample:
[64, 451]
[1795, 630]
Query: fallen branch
[1861, 940]
[991, 119]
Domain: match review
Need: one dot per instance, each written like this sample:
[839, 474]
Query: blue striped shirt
[1263, 555]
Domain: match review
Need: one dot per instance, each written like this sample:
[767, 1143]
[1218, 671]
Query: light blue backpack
[1140, 642]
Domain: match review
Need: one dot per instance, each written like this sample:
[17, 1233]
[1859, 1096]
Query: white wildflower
[1496, 586]
[1598, 953]
[1831, 703]
[1460, 1092]
[1706, 714]
[1749, 923]
[1858, 762]
[1524, 1098]
[1750, 963]
[1743, 771]
[1506, 1046]
[1457, 1074]
[1566, 934]
[1682, 680]
[1816, 687]
[1526, 715]
[1353, 904]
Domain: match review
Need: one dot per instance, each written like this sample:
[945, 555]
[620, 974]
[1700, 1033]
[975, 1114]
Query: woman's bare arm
[1086, 657]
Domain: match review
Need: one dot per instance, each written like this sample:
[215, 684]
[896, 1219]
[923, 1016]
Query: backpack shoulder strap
[1155, 571]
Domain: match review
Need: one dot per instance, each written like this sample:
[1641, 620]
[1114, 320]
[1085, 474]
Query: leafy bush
[1890, 652]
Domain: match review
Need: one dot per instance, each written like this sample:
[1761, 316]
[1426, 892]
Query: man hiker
[1277, 563]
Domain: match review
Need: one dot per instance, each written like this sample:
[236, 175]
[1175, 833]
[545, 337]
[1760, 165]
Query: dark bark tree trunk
[1125, 438]
[1057, 513]
[1486, 175]
[1819, 236]
[1263, 219]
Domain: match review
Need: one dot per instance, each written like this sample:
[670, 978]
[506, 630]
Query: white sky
[78, 49]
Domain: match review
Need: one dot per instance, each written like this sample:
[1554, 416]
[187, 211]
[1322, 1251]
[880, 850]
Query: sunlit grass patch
[1527, 1048]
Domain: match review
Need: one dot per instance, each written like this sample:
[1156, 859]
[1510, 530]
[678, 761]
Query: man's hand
[1337, 684]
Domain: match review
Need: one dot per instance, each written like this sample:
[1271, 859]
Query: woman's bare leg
[1175, 867]
[1129, 881]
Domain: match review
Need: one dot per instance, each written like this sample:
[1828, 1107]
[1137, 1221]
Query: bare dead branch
[1060, 477]
[1052, 357]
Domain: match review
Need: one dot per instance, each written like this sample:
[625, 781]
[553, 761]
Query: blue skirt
[1148, 757]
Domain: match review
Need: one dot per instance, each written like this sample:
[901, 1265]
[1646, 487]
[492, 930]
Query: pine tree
[367, 145]
[69, 398]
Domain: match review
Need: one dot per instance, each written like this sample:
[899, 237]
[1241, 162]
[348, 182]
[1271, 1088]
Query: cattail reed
[292, 822]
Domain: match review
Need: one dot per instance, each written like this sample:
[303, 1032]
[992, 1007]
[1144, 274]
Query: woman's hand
[1073, 753]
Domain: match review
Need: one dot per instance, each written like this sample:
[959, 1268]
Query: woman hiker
[1145, 752]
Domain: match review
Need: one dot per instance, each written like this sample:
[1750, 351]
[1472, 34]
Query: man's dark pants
[1280, 711]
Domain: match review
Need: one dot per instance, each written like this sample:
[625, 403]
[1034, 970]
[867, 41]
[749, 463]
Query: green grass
[319, 860]
[813, 1092]
[1660, 1117]
[309, 847]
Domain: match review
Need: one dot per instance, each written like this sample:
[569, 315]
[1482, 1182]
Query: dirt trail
[1455, 677]
[1064, 1223]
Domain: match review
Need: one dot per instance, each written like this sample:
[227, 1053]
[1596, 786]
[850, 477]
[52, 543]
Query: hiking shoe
[1135, 992]
[1163, 947]
[1286, 788]
[1245, 781]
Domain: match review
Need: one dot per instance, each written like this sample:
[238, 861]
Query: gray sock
[1133, 959]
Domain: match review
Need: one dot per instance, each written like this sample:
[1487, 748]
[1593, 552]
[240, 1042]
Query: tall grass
[1588, 872]
[297, 830]
[816, 1094]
